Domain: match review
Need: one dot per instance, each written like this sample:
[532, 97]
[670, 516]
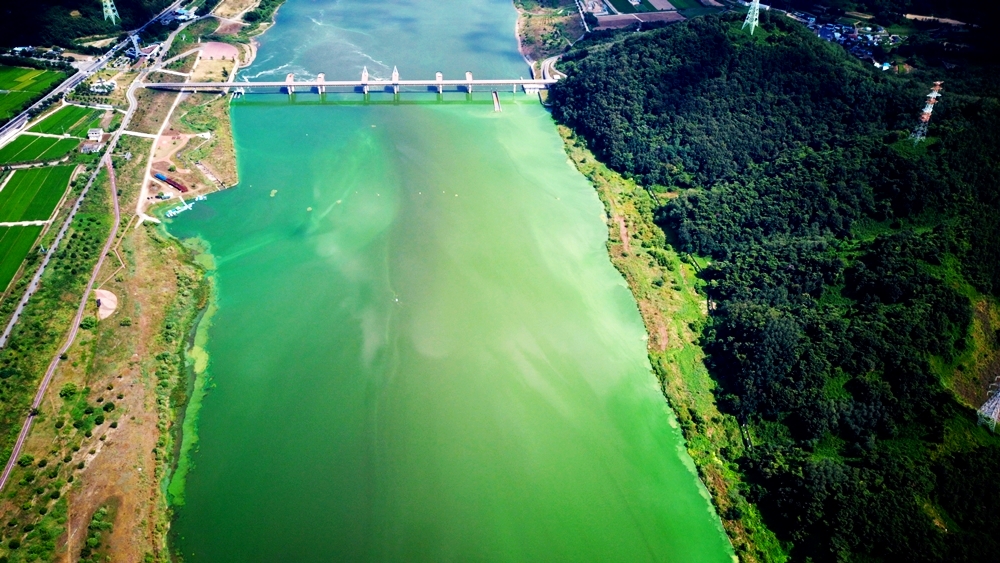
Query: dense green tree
[840, 258]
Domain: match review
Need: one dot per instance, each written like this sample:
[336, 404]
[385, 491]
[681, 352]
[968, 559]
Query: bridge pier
[290, 79]
[364, 81]
[321, 78]
[438, 78]
[395, 81]
[468, 79]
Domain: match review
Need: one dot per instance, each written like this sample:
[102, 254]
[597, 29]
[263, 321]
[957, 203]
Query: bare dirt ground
[233, 8]
[547, 31]
[206, 113]
[108, 303]
[208, 70]
[628, 20]
[164, 159]
[153, 108]
[229, 27]
[916, 17]
[216, 62]
[218, 50]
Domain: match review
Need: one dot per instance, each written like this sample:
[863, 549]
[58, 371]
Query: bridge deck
[537, 83]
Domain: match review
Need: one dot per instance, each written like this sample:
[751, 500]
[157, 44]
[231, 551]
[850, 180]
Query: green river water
[421, 351]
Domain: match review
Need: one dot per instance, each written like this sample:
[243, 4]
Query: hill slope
[848, 269]
[59, 22]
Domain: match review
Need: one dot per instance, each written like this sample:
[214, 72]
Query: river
[421, 351]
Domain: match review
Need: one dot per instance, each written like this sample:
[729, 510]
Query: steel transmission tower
[989, 413]
[752, 16]
[110, 11]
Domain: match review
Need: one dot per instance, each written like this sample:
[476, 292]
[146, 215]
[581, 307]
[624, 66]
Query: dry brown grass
[207, 113]
[233, 8]
[157, 77]
[209, 70]
[152, 109]
[974, 374]
[547, 32]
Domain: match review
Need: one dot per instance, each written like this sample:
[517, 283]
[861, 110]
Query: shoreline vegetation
[671, 300]
[845, 277]
[124, 399]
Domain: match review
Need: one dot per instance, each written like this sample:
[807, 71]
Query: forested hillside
[852, 274]
[60, 22]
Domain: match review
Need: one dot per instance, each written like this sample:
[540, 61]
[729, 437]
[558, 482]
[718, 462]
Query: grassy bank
[674, 310]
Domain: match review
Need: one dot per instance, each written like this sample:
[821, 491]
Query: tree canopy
[844, 261]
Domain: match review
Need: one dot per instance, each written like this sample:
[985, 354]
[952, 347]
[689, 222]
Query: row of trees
[842, 263]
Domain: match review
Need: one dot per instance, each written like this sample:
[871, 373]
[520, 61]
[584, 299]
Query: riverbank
[108, 431]
[674, 309]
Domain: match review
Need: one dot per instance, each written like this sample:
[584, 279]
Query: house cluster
[53, 54]
[596, 7]
[859, 39]
[95, 141]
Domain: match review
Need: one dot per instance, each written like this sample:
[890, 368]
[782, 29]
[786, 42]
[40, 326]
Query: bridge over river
[366, 84]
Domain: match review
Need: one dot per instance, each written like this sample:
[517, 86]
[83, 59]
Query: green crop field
[15, 242]
[686, 4]
[32, 194]
[32, 148]
[626, 7]
[72, 120]
[623, 7]
[21, 86]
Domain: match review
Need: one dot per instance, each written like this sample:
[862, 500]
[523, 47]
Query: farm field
[70, 120]
[626, 7]
[32, 194]
[686, 4]
[15, 242]
[32, 148]
[21, 86]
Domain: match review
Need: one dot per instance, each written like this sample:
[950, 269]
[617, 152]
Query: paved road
[75, 327]
[549, 70]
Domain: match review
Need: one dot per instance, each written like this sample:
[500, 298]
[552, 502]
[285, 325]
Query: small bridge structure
[365, 85]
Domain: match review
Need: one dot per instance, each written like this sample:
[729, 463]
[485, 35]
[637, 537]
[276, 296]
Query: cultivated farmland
[69, 120]
[21, 86]
[15, 242]
[32, 148]
[32, 194]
